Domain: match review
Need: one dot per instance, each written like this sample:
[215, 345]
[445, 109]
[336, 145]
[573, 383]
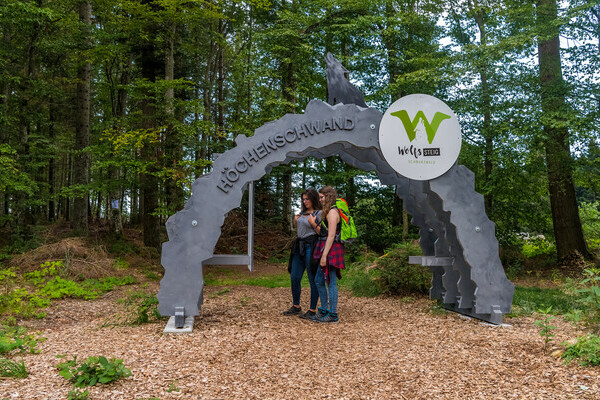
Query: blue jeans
[298, 267]
[328, 295]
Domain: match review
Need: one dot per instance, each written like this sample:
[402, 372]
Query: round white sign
[420, 137]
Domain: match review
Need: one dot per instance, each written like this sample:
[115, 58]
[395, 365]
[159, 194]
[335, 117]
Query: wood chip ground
[242, 347]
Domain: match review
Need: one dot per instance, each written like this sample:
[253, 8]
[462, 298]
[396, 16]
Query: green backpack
[348, 232]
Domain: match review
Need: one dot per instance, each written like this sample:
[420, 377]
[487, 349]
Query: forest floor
[242, 347]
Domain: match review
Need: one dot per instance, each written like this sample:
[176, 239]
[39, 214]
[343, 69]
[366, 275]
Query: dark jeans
[327, 292]
[298, 266]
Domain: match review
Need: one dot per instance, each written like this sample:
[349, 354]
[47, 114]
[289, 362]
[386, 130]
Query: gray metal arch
[457, 238]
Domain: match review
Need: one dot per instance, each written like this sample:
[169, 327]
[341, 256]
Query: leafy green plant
[119, 263]
[16, 338]
[12, 369]
[538, 246]
[587, 293]
[575, 317]
[78, 394]
[586, 350]
[173, 387]
[92, 371]
[590, 222]
[397, 276]
[147, 310]
[546, 328]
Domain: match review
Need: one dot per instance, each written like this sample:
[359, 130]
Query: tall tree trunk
[565, 214]
[221, 84]
[51, 167]
[173, 149]
[82, 126]
[115, 209]
[288, 88]
[4, 196]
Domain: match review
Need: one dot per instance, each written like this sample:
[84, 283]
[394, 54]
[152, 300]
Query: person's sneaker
[322, 313]
[330, 317]
[293, 311]
[308, 315]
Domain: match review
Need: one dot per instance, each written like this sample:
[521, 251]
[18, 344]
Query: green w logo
[411, 126]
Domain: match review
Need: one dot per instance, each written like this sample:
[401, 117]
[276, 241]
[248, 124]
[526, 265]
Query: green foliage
[588, 292]
[538, 246]
[372, 216]
[586, 350]
[89, 289]
[361, 276]
[26, 296]
[78, 394]
[545, 327]
[173, 387]
[371, 276]
[397, 276]
[144, 306]
[12, 369]
[513, 263]
[16, 338]
[590, 221]
[92, 371]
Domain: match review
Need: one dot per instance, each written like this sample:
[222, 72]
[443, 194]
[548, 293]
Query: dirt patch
[242, 347]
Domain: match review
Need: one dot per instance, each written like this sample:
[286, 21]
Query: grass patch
[12, 369]
[528, 300]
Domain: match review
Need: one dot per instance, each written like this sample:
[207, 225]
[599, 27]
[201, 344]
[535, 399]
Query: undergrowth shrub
[17, 338]
[586, 350]
[397, 276]
[588, 296]
[27, 295]
[389, 274]
[590, 222]
[92, 371]
[538, 246]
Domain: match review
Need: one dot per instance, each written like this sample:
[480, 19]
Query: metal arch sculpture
[457, 238]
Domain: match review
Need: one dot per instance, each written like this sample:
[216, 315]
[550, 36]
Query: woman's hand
[296, 219]
[312, 221]
[323, 262]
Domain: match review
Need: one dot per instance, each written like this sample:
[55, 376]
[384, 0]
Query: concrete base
[188, 326]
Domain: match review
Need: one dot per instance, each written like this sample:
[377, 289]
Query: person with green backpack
[329, 254]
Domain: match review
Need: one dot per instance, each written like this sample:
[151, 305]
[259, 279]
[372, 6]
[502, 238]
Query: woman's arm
[312, 220]
[332, 221]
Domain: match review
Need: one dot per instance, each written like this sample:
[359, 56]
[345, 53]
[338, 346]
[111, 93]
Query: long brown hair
[312, 195]
[330, 197]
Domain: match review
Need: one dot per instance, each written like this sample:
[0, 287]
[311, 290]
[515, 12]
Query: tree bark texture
[81, 163]
[563, 202]
[173, 148]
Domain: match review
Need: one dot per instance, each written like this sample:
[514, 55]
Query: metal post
[251, 225]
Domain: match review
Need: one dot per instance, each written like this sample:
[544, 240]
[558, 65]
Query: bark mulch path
[242, 347]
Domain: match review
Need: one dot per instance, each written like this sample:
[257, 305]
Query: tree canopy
[111, 109]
